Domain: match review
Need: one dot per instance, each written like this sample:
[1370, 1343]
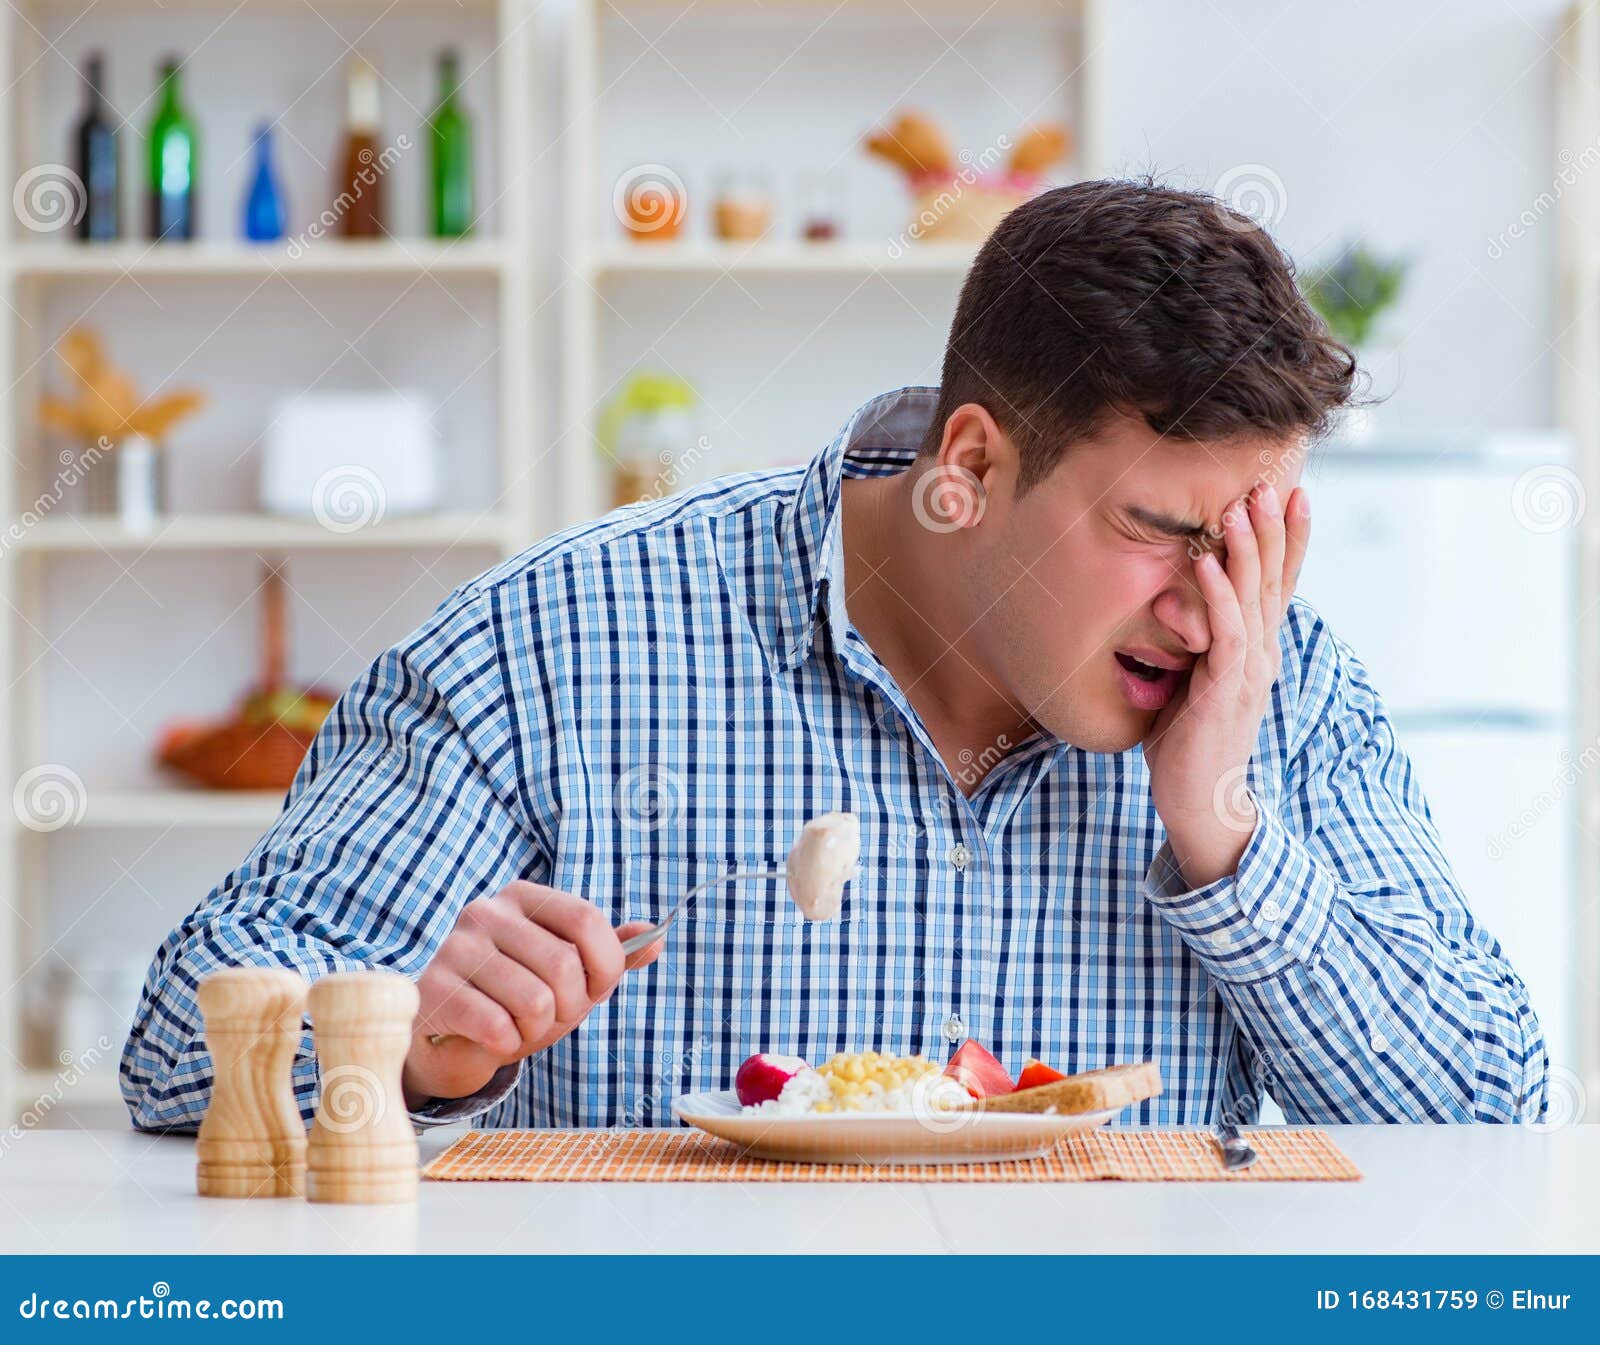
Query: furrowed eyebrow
[1165, 523]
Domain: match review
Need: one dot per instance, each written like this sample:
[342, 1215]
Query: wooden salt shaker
[252, 1141]
[362, 1149]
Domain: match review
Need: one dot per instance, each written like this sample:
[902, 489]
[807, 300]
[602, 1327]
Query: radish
[762, 1077]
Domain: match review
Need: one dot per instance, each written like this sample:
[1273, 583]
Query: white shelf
[98, 1086]
[261, 532]
[244, 809]
[336, 257]
[843, 259]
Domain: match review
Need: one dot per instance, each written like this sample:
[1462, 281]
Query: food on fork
[821, 862]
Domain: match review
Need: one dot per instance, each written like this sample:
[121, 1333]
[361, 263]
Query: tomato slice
[1034, 1073]
[979, 1072]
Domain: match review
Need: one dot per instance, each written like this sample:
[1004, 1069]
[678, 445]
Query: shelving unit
[622, 53]
[264, 533]
[1578, 374]
[394, 309]
[209, 261]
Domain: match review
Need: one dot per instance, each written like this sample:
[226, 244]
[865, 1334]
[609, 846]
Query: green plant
[1353, 293]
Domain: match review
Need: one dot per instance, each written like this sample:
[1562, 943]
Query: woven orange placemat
[691, 1156]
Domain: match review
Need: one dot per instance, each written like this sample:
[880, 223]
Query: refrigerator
[1449, 570]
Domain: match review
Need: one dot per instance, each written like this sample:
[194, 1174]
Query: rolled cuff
[451, 1110]
[1269, 915]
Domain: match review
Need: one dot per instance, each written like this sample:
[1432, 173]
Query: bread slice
[1109, 1089]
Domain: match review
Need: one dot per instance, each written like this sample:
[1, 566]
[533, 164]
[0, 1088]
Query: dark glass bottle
[97, 161]
[359, 198]
[450, 139]
[173, 162]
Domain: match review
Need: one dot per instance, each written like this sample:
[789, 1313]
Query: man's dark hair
[1125, 296]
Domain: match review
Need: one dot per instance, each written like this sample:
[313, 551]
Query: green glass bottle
[173, 162]
[450, 140]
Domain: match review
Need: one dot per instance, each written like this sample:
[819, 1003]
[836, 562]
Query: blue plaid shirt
[668, 693]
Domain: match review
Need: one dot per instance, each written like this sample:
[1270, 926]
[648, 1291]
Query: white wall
[1421, 127]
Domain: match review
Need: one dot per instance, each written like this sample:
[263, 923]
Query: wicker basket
[953, 211]
[252, 749]
[238, 755]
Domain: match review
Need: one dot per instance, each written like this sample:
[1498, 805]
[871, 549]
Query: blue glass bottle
[265, 211]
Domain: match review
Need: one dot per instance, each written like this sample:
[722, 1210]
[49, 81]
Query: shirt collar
[880, 439]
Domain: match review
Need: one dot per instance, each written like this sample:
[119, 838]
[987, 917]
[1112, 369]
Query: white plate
[882, 1137]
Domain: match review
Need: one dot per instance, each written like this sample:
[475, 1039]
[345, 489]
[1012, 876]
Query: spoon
[820, 862]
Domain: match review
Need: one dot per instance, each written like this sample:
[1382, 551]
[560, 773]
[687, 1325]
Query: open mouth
[1147, 686]
[1145, 672]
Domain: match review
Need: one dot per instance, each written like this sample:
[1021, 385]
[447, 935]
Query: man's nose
[1181, 608]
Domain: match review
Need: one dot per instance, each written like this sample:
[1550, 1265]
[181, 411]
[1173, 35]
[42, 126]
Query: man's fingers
[1297, 525]
[1266, 513]
[1244, 566]
[581, 924]
[528, 997]
[466, 1012]
[645, 956]
[1226, 653]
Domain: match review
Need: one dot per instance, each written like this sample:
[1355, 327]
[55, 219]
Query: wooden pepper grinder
[362, 1149]
[253, 1140]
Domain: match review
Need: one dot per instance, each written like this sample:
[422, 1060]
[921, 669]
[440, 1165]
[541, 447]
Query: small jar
[742, 211]
[821, 209]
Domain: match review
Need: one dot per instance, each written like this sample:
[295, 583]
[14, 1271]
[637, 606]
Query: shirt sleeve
[1342, 944]
[406, 808]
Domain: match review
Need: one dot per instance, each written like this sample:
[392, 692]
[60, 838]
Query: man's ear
[976, 465]
[976, 444]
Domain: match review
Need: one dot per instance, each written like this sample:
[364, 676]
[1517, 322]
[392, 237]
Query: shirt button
[955, 1028]
[959, 856]
[1270, 910]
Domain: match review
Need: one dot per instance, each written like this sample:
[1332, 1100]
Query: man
[1121, 797]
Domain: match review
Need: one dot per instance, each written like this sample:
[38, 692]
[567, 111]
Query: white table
[1426, 1189]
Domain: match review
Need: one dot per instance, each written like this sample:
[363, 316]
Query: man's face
[1083, 591]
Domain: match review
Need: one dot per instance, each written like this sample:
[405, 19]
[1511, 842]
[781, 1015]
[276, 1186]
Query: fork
[645, 937]
[1236, 1154]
